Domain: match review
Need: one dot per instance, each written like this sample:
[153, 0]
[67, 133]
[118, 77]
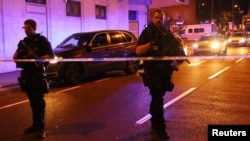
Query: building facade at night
[177, 15]
[58, 19]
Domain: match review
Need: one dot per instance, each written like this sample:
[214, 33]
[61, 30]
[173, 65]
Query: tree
[226, 17]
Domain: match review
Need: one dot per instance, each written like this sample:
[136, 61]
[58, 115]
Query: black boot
[30, 130]
[163, 135]
[41, 134]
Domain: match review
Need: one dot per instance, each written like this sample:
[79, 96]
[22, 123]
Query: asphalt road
[114, 107]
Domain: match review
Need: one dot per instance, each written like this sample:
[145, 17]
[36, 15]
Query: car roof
[100, 31]
[239, 32]
[212, 34]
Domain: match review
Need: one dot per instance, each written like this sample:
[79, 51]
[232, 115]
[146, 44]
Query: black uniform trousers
[156, 109]
[159, 82]
[35, 93]
[37, 104]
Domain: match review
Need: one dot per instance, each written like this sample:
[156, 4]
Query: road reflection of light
[102, 80]
[68, 89]
[238, 51]
[243, 51]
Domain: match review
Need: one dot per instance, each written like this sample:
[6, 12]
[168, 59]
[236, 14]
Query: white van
[193, 32]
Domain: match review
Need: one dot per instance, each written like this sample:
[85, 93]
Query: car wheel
[219, 52]
[131, 67]
[73, 74]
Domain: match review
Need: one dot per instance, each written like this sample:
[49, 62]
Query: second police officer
[33, 79]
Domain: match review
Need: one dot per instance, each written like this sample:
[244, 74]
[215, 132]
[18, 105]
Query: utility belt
[29, 65]
[158, 68]
[157, 82]
[33, 80]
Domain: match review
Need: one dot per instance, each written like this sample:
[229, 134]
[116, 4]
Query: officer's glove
[175, 65]
[155, 43]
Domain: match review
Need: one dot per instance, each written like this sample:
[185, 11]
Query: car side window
[190, 30]
[127, 37]
[115, 37]
[100, 40]
[84, 40]
[72, 42]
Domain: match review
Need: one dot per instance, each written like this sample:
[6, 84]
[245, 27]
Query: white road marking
[239, 60]
[179, 97]
[148, 116]
[218, 73]
[68, 89]
[197, 63]
[24, 101]
[144, 119]
[102, 80]
[14, 104]
[21, 102]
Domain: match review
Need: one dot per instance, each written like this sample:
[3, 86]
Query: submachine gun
[164, 43]
[23, 51]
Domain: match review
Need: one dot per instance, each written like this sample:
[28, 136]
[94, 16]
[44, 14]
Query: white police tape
[126, 58]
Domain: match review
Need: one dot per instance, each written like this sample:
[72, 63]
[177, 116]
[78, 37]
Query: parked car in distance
[96, 44]
[239, 38]
[213, 43]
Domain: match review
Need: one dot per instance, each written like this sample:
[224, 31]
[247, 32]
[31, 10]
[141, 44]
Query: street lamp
[201, 11]
[232, 13]
[236, 14]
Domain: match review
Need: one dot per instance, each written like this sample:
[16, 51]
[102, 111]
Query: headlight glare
[215, 45]
[242, 40]
[195, 45]
[55, 60]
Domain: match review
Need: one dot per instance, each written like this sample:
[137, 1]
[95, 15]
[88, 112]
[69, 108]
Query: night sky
[226, 5]
[222, 5]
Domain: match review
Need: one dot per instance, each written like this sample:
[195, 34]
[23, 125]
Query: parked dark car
[96, 44]
[213, 43]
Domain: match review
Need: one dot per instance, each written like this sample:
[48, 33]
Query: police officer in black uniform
[33, 79]
[156, 41]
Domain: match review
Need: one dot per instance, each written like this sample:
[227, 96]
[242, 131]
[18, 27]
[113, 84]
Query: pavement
[9, 79]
